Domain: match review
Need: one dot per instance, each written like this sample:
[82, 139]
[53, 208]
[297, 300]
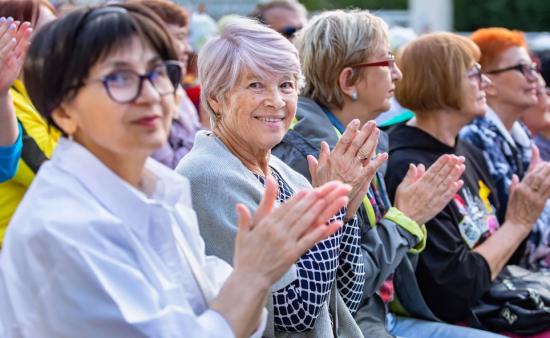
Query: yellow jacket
[39, 141]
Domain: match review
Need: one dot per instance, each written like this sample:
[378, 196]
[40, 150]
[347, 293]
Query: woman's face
[376, 88]
[46, 16]
[105, 126]
[537, 117]
[512, 87]
[259, 109]
[474, 102]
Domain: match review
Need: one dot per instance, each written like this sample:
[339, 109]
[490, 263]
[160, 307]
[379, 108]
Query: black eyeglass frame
[105, 80]
[533, 68]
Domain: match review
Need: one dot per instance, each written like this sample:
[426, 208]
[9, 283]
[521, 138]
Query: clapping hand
[14, 42]
[350, 162]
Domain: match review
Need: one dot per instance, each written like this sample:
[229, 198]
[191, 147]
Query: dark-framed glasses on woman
[390, 63]
[476, 72]
[526, 68]
[124, 86]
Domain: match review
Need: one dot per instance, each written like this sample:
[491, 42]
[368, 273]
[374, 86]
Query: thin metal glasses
[124, 86]
[390, 63]
[526, 68]
[476, 72]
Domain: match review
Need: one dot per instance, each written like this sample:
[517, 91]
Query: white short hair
[244, 46]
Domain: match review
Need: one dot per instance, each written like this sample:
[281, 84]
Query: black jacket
[451, 277]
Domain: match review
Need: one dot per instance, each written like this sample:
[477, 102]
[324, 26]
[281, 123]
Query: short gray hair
[332, 41]
[263, 7]
[243, 46]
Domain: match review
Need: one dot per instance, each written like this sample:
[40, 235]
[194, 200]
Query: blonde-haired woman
[350, 75]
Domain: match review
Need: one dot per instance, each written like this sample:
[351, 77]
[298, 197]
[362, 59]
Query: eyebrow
[124, 64]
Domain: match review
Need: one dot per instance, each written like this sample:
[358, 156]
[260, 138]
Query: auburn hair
[493, 42]
[434, 68]
[169, 12]
[24, 10]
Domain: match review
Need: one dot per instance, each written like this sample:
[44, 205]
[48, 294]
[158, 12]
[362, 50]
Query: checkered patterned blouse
[339, 257]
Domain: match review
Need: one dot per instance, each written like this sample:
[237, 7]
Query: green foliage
[525, 15]
[315, 5]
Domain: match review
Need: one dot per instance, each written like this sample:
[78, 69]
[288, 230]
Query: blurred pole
[428, 16]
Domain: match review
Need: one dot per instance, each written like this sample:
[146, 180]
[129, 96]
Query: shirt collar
[516, 135]
[116, 195]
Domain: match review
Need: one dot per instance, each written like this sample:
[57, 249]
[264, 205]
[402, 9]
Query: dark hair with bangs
[63, 52]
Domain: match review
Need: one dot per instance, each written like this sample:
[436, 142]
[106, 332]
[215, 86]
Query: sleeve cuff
[9, 151]
[408, 224]
[216, 324]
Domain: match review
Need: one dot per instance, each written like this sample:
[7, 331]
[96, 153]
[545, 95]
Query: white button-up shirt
[87, 255]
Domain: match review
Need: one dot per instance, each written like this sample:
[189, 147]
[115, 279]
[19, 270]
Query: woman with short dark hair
[106, 243]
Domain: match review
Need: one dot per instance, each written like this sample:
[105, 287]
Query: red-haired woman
[505, 141]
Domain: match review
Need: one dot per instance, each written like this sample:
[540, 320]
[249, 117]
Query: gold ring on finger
[359, 158]
[535, 188]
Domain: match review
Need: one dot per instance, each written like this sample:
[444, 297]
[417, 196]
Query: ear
[214, 104]
[64, 120]
[491, 90]
[344, 80]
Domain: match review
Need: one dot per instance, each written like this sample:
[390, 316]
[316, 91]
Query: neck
[545, 133]
[441, 124]
[256, 160]
[508, 114]
[127, 165]
[353, 110]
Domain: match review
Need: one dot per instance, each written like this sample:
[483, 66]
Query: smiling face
[512, 87]
[180, 39]
[259, 110]
[106, 127]
[537, 117]
[376, 88]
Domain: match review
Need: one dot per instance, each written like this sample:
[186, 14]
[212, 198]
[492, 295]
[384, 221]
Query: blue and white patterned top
[508, 153]
[297, 306]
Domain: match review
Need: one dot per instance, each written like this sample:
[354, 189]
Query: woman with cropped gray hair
[250, 79]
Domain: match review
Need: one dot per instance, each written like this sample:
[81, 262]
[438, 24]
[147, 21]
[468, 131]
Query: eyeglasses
[526, 68]
[124, 86]
[390, 63]
[288, 32]
[476, 72]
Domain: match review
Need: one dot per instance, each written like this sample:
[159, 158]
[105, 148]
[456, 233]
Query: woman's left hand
[350, 162]
[14, 42]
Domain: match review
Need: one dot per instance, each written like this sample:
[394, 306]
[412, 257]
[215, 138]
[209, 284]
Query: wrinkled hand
[14, 42]
[423, 194]
[350, 162]
[528, 198]
[267, 246]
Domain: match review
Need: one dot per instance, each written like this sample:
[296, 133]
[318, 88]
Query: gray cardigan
[219, 181]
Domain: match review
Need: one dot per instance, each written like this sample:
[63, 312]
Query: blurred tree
[526, 15]
[315, 5]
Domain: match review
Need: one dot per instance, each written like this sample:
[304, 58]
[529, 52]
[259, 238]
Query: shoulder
[480, 132]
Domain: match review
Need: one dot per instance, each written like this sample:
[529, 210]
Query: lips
[148, 121]
[270, 119]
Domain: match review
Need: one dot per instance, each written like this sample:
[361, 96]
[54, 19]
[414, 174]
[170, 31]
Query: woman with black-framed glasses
[505, 140]
[106, 242]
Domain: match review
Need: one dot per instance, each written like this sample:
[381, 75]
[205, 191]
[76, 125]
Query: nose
[396, 74]
[148, 94]
[274, 99]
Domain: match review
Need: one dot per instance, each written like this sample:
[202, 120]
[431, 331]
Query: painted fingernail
[12, 27]
[10, 19]
[12, 40]
[2, 19]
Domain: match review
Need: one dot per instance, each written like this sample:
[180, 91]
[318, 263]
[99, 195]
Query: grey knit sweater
[219, 181]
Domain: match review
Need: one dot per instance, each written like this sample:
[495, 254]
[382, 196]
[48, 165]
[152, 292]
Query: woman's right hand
[267, 246]
[14, 42]
[528, 198]
[422, 195]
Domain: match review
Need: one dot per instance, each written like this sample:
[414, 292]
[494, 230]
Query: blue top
[9, 158]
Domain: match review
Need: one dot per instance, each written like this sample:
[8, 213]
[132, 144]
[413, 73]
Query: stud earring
[354, 97]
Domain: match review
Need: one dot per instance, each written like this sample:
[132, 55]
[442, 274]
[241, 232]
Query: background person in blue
[14, 41]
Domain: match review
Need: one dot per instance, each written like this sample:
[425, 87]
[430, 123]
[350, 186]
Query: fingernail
[12, 40]
[2, 19]
[369, 124]
[12, 27]
[356, 122]
[10, 19]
